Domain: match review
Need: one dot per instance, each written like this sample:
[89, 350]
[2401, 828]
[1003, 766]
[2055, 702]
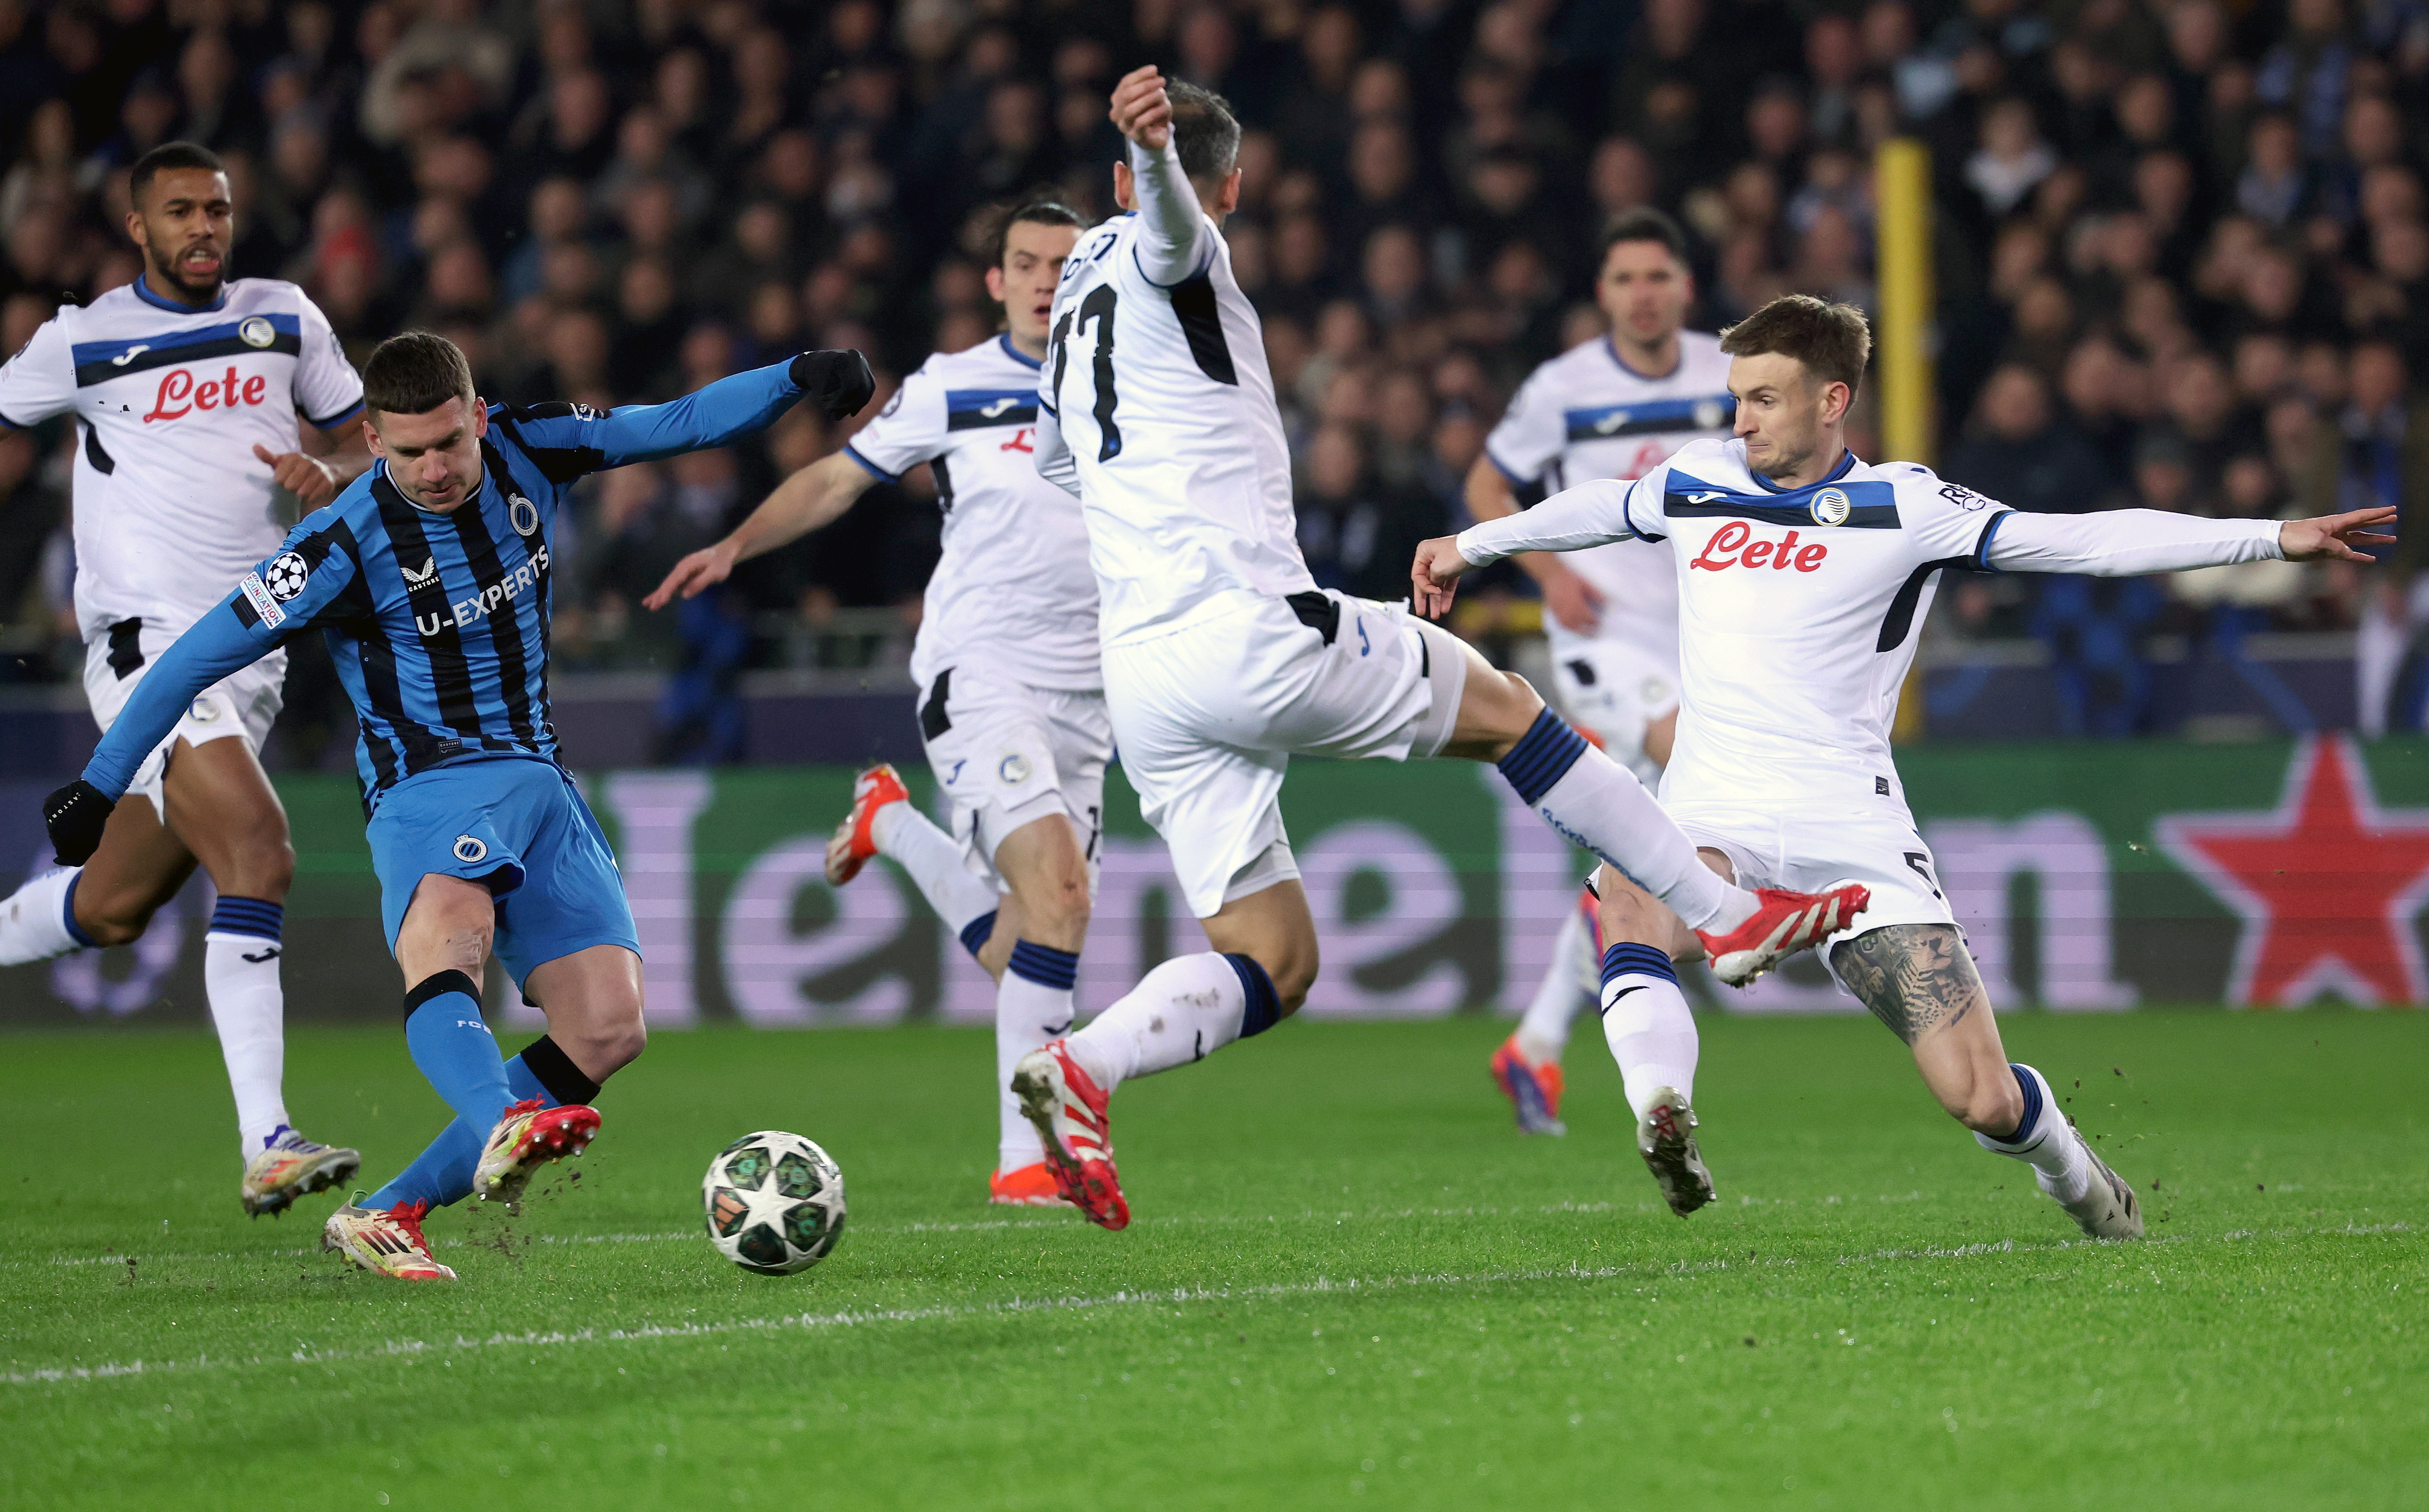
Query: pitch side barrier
[2090, 878]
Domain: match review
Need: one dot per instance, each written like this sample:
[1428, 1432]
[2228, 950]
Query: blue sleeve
[218, 644]
[305, 584]
[571, 439]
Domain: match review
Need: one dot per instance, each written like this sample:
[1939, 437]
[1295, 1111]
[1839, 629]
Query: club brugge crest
[255, 332]
[523, 514]
[1830, 507]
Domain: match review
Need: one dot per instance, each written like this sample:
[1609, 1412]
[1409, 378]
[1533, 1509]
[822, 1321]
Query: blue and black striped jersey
[438, 622]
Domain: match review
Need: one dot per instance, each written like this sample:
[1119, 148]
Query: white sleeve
[1533, 431]
[1172, 240]
[2125, 543]
[910, 429]
[39, 381]
[1053, 460]
[1591, 514]
[328, 391]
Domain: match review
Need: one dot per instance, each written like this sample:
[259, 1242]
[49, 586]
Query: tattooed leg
[1917, 979]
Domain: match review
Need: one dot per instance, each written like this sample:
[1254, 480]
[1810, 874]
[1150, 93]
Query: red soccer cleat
[1068, 1108]
[854, 841]
[528, 1137]
[1783, 924]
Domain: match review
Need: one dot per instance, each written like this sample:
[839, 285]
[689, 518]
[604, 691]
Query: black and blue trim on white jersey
[98, 362]
[1649, 417]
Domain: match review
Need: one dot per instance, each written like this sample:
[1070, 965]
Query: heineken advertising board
[2089, 877]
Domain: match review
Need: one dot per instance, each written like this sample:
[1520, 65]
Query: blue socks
[976, 934]
[455, 1050]
[2032, 1089]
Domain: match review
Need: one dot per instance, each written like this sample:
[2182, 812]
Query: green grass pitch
[1349, 1283]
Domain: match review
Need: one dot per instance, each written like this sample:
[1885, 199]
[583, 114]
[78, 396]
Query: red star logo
[2328, 885]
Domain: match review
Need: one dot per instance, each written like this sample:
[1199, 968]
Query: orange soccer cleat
[1029, 1186]
[1533, 1090]
[528, 1137]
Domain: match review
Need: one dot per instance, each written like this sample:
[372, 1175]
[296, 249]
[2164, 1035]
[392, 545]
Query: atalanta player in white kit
[187, 390]
[1222, 658]
[1614, 407]
[1804, 575]
[1011, 703]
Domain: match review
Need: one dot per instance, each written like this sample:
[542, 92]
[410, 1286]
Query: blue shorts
[518, 828]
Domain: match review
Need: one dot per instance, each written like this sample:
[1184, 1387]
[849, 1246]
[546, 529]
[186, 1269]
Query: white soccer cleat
[1665, 1135]
[1782, 924]
[385, 1241]
[291, 1166]
[2107, 1209]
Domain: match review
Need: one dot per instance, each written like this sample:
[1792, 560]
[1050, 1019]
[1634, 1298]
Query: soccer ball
[774, 1202]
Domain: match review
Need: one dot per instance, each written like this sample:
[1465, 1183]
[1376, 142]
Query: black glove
[839, 381]
[76, 815]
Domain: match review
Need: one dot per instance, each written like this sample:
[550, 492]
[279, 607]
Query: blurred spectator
[2019, 452]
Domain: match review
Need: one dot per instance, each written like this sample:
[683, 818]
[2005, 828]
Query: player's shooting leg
[222, 806]
[448, 928]
[1917, 979]
[1275, 928]
[1591, 799]
[1039, 930]
[593, 1002]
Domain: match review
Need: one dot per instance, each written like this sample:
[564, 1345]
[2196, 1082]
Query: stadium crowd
[2182, 250]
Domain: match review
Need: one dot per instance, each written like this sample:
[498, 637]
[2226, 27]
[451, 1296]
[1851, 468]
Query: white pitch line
[1322, 1286]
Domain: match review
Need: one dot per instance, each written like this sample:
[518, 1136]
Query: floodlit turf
[1349, 1283]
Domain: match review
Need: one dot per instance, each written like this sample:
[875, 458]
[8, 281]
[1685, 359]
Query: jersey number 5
[1098, 306]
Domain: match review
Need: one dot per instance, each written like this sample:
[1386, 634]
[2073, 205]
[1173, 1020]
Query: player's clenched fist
[1142, 111]
[839, 381]
[76, 815]
[1433, 575]
[310, 479]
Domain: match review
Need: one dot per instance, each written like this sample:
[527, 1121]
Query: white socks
[911, 840]
[240, 972]
[34, 921]
[1567, 991]
[1184, 1010]
[1594, 802]
[1646, 1018]
[1033, 1005]
[2045, 1142]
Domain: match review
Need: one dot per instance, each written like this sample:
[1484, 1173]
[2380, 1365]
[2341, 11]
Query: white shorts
[245, 702]
[1807, 852]
[1007, 754]
[1616, 690]
[1208, 718]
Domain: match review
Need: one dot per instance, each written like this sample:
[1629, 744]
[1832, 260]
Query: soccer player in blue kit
[429, 575]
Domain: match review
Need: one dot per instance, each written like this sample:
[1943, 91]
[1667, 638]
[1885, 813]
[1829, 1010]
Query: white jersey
[1799, 608]
[171, 506]
[1162, 396]
[1587, 414]
[1014, 589]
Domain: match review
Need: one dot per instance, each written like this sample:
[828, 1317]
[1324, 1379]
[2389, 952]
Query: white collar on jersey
[144, 292]
[1612, 346]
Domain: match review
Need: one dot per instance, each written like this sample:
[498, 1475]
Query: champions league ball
[774, 1202]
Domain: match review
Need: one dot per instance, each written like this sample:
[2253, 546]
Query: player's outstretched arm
[2123, 543]
[1171, 244]
[1571, 599]
[815, 496]
[219, 644]
[838, 382]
